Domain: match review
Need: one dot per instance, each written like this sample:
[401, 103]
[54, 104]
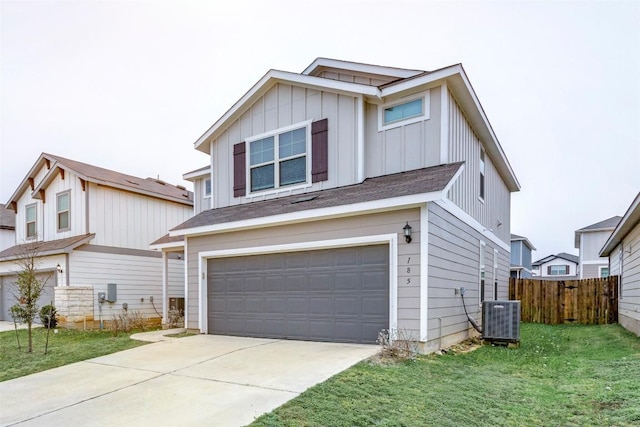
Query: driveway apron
[198, 380]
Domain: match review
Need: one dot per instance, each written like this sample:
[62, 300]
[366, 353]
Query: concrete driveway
[199, 380]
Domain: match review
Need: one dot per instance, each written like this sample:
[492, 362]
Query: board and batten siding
[355, 77]
[340, 228]
[77, 205]
[629, 298]
[406, 147]
[591, 243]
[200, 202]
[464, 145]
[7, 239]
[136, 277]
[453, 262]
[130, 220]
[284, 105]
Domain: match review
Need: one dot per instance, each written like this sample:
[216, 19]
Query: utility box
[112, 292]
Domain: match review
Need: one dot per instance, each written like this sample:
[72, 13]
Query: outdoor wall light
[407, 232]
[59, 269]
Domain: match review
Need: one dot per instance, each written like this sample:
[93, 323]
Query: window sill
[276, 191]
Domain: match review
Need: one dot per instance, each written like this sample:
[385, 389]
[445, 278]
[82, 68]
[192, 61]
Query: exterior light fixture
[59, 269]
[407, 232]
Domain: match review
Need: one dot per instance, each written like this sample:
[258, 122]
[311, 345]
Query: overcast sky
[130, 85]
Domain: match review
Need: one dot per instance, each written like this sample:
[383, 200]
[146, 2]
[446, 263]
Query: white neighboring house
[92, 227]
[623, 251]
[589, 240]
[562, 266]
[7, 228]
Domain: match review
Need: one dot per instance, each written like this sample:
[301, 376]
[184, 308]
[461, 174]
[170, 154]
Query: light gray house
[623, 251]
[521, 249]
[348, 199]
[589, 240]
[7, 228]
[562, 266]
[92, 227]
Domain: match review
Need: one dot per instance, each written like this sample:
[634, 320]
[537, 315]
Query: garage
[337, 295]
[8, 290]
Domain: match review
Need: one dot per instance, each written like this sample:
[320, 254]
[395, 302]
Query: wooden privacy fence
[587, 301]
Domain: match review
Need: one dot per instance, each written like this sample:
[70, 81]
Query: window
[482, 270]
[31, 215]
[482, 174]
[62, 209]
[495, 274]
[558, 270]
[207, 187]
[603, 272]
[278, 160]
[404, 111]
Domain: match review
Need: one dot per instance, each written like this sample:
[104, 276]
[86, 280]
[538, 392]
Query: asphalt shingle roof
[45, 248]
[607, 223]
[7, 218]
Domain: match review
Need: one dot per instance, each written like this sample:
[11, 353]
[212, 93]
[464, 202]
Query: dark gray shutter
[239, 170]
[548, 270]
[319, 150]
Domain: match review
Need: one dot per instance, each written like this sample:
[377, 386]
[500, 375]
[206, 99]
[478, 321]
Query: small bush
[398, 344]
[175, 318]
[128, 321]
[49, 316]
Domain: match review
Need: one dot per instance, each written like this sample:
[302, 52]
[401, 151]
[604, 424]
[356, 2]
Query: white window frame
[276, 161]
[567, 270]
[482, 183]
[68, 211]
[26, 221]
[426, 111]
[495, 274]
[204, 188]
[602, 267]
[482, 269]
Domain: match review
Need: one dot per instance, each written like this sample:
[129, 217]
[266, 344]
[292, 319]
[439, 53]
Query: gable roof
[408, 81]
[516, 238]
[628, 222]
[147, 186]
[50, 247]
[562, 255]
[411, 183]
[7, 218]
[605, 225]
[200, 172]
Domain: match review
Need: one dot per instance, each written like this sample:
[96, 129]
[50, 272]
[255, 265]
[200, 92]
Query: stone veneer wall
[75, 306]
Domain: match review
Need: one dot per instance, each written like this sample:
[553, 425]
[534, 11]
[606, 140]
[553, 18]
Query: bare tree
[28, 287]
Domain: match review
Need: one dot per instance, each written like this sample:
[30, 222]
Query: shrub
[128, 321]
[175, 318]
[398, 344]
[49, 316]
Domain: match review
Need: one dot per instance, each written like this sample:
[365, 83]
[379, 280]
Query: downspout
[360, 139]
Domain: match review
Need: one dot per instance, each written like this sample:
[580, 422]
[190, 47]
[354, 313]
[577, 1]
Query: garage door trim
[390, 239]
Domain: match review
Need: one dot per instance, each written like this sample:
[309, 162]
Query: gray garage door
[8, 291]
[339, 295]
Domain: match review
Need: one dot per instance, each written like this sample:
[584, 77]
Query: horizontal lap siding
[364, 225]
[629, 303]
[136, 276]
[454, 259]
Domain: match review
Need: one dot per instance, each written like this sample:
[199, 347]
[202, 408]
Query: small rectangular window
[62, 208]
[403, 111]
[207, 187]
[482, 174]
[31, 218]
[604, 272]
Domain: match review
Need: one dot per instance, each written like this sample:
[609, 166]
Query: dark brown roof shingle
[50, 247]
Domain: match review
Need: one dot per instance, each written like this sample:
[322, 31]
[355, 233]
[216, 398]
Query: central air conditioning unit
[501, 321]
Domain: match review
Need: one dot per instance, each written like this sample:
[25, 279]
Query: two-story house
[521, 249]
[623, 251]
[7, 228]
[91, 228]
[562, 266]
[589, 240]
[348, 199]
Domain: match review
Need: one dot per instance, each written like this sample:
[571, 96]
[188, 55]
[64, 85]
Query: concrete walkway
[9, 326]
[198, 380]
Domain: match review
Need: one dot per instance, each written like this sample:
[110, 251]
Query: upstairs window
[31, 215]
[558, 270]
[278, 160]
[207, 187]
[62, 210]
[404, 111]
[481, 174]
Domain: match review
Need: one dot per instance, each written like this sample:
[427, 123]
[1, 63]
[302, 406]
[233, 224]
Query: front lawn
[67, 346]
[560, 376]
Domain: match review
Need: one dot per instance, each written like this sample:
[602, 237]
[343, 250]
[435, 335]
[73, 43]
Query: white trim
[600, 270]
[424, 272]
[444, 123]
[482, 287]
[381, 205]
[186, 286]
[425, 115]
[390, 239]
[495, 284]
[204, 188]
[453, 180]
[165, 286]
[360, 139]
[170, 245]
[203, 171]
[360, 68]
[595, 261]
[454, 210]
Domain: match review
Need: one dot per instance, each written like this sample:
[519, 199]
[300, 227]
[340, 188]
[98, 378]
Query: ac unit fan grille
[501, 321]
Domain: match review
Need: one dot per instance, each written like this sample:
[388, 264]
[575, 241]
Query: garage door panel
[327, 295]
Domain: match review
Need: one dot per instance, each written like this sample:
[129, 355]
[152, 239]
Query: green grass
[67, 346]
[560, 376]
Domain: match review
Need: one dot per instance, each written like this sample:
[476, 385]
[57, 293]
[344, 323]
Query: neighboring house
[201, 179]
[562, 266]
[349, 199]
[92, 227]
[7, 228]
[521, 249]
[623, 251]
[589, 240]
